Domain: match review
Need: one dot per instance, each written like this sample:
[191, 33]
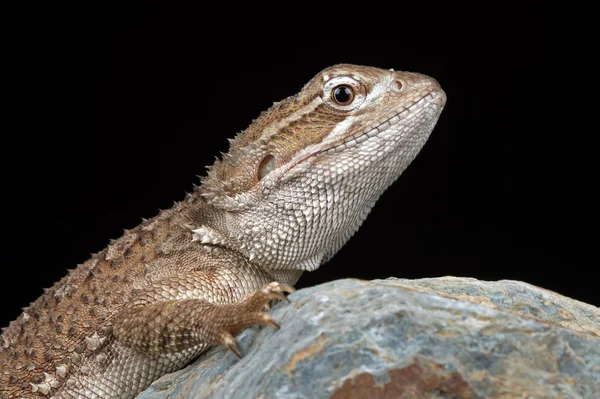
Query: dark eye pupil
[342, 94]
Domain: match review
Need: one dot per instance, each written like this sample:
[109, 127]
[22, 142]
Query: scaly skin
[292, 190]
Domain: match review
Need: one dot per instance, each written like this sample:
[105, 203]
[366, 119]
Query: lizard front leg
[183, 312]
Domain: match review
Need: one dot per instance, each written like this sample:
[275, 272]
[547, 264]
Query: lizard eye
[342, 94]
[267, 165]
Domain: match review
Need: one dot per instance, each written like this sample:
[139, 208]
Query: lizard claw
[276, 295]
[261, 298]
[229, 343]
[280, 287]
[251, 310]
[268, 320]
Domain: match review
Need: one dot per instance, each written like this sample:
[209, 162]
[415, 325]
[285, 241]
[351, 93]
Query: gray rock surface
[431, 338]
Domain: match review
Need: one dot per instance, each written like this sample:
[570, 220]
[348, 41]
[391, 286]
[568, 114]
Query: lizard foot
[251, 311]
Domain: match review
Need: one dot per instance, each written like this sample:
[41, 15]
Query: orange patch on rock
[310, 351]
[418, 380]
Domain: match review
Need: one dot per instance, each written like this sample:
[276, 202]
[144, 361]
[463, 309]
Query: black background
[119, 110]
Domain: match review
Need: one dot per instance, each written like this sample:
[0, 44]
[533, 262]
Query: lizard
[291, 190]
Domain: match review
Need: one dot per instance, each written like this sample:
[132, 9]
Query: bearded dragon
[293, 188]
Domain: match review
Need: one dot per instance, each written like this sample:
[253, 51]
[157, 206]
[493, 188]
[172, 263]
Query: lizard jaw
[435, 99]
[355, 139]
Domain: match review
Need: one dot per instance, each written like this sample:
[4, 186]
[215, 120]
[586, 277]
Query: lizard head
[299, 181]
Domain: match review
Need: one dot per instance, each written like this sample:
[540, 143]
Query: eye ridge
[343, 94]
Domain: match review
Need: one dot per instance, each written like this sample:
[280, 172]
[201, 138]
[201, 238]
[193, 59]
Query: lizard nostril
[397, 85]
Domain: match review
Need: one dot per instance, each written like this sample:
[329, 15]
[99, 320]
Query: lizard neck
[216, 228]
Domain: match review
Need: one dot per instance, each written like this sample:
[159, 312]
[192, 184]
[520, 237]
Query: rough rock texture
[432, 338]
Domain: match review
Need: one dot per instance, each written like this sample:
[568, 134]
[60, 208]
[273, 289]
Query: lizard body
[293, 188]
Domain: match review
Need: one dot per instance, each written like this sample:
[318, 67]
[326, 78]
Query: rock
[432, 338]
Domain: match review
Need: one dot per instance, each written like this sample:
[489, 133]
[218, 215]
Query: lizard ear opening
[267, 165]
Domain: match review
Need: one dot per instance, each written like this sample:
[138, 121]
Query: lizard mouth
[434, 98]
[354, 139]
